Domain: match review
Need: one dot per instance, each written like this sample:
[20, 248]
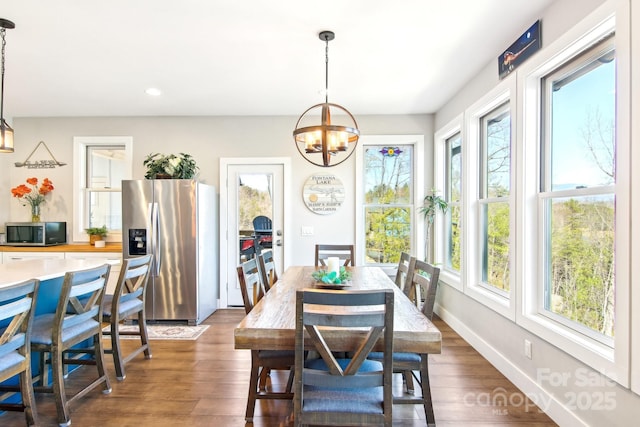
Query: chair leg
[426, 391]
[408, 378]
[99, 356]
[144, 336]
[59, 392]
[253, 388]
[290, 380]
[117, 350]
[264, 374]
[44, 371]
[28, 398]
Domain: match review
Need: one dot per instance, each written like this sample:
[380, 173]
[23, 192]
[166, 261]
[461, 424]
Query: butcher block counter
[73, 247]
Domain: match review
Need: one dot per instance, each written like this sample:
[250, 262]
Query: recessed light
[152, 91]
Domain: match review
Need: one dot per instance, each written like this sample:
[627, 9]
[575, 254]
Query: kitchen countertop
[72, 247]
[43, 269]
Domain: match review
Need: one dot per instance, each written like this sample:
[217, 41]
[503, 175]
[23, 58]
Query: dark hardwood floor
[204, 383]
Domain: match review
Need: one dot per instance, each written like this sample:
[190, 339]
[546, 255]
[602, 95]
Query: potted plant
[170, 166]
[432, 204]
[96, 233]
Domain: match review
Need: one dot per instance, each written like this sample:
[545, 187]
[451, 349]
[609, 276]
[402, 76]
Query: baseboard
[527, 385]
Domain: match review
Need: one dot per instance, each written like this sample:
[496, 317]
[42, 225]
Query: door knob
[278, 242]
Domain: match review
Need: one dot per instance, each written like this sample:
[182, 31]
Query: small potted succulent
[96, 233]
[170, 166]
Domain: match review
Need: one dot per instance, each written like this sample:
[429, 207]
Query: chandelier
[331, 142]
[6, 133]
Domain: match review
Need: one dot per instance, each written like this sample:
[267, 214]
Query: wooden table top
[271, 323]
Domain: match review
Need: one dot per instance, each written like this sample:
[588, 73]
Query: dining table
[271, 324]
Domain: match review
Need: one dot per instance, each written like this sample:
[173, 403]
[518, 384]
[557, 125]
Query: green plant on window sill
[181, 166]
[96, 233]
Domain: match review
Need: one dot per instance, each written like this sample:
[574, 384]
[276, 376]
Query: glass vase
[35, 213]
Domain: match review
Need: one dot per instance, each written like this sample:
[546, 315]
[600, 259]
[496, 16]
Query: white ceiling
[226, 57]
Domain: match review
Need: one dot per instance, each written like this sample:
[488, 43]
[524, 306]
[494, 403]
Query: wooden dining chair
[17, 308]
[424, 276]
[72, 336]
[343, 391]
[262, 361]
[127, 301]
[346, 253]
[267, 269]
[405, 267]
[251, 285]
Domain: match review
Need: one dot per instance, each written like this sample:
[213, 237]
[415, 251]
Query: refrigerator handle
[153, 250]
[156, 235]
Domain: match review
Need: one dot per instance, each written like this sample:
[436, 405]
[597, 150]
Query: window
[386, 175]
[577, 193]
[101, 164]
[574, 252]
[453, 196]
[388, 206]
[494, 200]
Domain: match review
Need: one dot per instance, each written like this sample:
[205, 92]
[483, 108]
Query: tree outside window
[578, 192]
[388, 202]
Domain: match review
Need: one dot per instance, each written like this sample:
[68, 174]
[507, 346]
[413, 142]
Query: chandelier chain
[3, 32]
[326, 71]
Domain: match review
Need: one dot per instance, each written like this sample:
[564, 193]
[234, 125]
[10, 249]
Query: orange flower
[33, 196]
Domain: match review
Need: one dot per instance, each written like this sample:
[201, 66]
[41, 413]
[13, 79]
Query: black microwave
[36, 233]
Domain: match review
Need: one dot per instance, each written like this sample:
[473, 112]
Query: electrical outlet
[527, 348]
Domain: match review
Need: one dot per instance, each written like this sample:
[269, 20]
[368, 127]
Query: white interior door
[253, 187]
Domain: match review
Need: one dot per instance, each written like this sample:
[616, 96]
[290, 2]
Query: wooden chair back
[267, 269]
[424, 281]
[130, 292]
[405, 266]
[324, 312]
[17, 308]
[78, 318]
[127, 301]
[346, 253]
[251, 285]
[81, 301]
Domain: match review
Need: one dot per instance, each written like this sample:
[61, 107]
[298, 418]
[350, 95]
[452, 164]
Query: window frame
[454, 127]
[611, 361]
[501, 302]
[417, 225]
[80, 202]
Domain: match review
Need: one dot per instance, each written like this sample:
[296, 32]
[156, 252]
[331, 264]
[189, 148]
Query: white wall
[499, 339]
[207, 139]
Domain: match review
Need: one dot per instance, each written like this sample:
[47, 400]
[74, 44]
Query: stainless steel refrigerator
[175, 220]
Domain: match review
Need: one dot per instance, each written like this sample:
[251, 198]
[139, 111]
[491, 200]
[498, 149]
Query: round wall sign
[323, 193]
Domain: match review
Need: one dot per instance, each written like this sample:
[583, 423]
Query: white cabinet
[113, 258]
[8, 257]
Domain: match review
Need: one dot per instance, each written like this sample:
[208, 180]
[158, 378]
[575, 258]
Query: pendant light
[6, 133]
[333, 140]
